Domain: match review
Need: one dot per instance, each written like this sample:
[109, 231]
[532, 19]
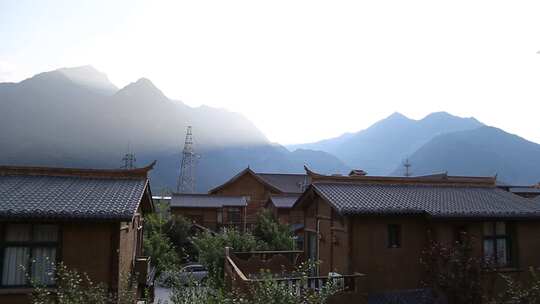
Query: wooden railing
[295, 257]
[240, 280]
[299, 285]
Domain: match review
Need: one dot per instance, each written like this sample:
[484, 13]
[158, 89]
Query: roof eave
[240, 174]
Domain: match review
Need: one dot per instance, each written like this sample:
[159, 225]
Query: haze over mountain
[379, 148]
[77, 117]
[485, 151]
[440, 142]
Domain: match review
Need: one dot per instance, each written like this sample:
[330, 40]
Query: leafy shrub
[454, 271]
[157, 242]
[275, 235]
[265, 291]
[164, 256]
[73, 287]
[179, 231]
[211, 249]
[515, 292]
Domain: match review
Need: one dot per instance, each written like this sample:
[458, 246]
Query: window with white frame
[28, 253]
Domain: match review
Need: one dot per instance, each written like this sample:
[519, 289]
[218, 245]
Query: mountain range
[76, 117]
[440, 142]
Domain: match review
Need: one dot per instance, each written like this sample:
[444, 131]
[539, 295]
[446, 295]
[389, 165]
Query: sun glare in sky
[300, 70]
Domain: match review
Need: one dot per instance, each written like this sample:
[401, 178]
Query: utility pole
[407, 166]
[129, 159]
[186, 176]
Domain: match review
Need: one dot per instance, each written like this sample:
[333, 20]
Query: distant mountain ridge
[485, 151]
[77, 117]
[379, 148]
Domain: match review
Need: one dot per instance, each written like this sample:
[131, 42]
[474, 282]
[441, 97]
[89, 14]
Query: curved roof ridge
[77, 172]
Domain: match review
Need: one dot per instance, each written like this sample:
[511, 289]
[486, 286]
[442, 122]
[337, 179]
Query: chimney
[357, 172]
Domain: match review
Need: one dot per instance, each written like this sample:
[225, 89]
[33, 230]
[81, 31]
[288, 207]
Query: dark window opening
[497, 244]
[234, 215]
[394, 236]
[219, 216]
[461, 234]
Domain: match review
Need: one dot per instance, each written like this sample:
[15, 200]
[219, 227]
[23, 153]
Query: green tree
[275, 235]
[211, 249]
[455, 272]
[517, 292]
[157, 244]
[179, 231]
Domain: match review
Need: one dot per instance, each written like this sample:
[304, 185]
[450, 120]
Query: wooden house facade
[259, 188]
[90, 220]
[380, 226]
[211, 211]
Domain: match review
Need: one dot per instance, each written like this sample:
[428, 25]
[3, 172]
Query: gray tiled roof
[432, 200]
[284, 201]
[69, 197]
[206, 201]
[287, 183]
[524, 190]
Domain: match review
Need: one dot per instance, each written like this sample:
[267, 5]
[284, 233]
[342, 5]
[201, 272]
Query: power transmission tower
[407, 166]
[129, 159]
[186, 177]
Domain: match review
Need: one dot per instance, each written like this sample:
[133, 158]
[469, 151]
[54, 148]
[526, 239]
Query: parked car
[189, 273]
[192, 273]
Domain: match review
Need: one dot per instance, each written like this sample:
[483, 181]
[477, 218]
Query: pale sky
[300, 70]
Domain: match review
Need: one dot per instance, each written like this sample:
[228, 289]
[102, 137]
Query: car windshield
[194, 268]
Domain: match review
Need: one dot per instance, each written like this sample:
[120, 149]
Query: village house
[211, 211]
[90, 220]
[379, 226]
[281, 208]
[263, 189]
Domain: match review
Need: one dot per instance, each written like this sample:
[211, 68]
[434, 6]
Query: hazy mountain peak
[89, 77]
[441, 116]
[142, 89]
[397, 115]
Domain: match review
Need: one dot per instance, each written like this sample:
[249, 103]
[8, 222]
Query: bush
[179, 231]
[275, 235]
[211, 249]
[518, 293]
[454, 272]
[158, 246]
[266, 291]
[73, 287]
[269, 291]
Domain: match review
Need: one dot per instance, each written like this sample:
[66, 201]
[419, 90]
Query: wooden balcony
[243, 269]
